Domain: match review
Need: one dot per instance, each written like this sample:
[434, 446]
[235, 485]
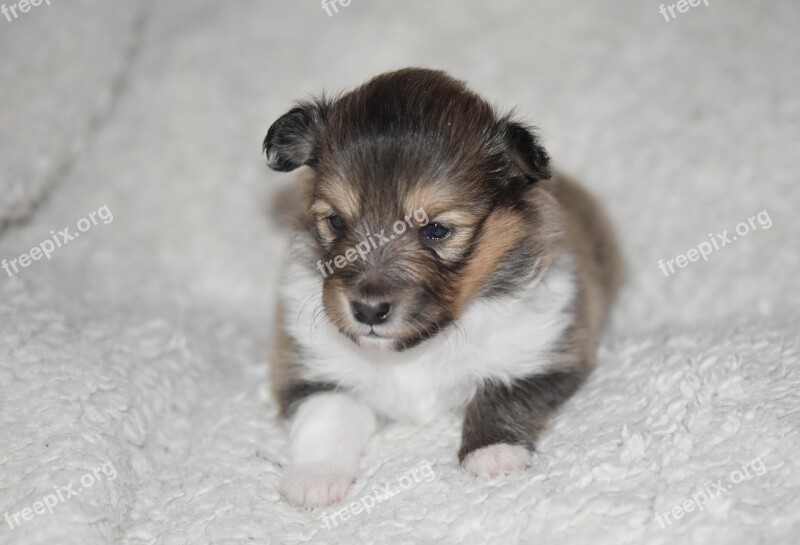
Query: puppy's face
[420, 202]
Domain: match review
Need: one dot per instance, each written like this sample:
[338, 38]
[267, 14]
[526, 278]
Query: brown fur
[418, 139]
[284, 353]
[590, 237]
[501, 232]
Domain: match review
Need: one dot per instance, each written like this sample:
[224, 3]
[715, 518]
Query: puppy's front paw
[497, 459]
[310, 487]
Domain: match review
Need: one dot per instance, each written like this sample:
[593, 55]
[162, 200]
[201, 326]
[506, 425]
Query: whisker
[318, 310]
[308, 299]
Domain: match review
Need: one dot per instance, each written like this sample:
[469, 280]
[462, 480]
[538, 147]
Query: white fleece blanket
[134, 397]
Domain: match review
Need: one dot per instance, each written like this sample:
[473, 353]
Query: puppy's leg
[328, 433]
[502, 422]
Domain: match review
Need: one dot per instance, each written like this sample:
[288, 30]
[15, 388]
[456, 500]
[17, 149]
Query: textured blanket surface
[134, 395]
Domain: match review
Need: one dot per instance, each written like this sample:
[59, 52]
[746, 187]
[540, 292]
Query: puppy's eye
[435, 231]
[337, 222]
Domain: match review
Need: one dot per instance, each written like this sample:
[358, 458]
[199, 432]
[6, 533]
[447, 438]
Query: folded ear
[292, 140]
[526, 152]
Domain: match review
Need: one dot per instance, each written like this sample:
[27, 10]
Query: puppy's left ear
[525, 151]
[292, 140]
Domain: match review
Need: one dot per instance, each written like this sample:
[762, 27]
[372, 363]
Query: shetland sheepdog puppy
[437, 266]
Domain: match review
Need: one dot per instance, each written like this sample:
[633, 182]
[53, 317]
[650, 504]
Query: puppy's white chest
[500, 340]
[416, 391]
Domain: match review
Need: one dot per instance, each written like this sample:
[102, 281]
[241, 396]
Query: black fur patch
[293, 393]
[290, 142]
[526, 151]
[517, 414]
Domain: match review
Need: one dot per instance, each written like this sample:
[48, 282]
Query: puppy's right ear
[292, 140]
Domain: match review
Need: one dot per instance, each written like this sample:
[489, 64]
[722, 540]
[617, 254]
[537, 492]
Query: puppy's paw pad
[498, 459]
[309, 488]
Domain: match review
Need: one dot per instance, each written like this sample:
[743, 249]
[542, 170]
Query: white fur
[499, 459]
[327, 436]
[501, 340]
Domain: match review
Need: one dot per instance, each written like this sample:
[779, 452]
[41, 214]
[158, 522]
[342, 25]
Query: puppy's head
[421, 202]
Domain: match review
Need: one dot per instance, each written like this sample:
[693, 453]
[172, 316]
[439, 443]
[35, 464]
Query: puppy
[437, 266]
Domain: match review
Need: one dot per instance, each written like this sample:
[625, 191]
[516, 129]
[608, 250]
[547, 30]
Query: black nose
[371, 313]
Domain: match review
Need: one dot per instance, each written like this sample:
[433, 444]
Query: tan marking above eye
[455, 219]
[321, 211]
[341, 196]
[320, 208]
[432, 197]
[445, 202]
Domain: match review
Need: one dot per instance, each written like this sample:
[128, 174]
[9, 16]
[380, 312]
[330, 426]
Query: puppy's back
[599, 265]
